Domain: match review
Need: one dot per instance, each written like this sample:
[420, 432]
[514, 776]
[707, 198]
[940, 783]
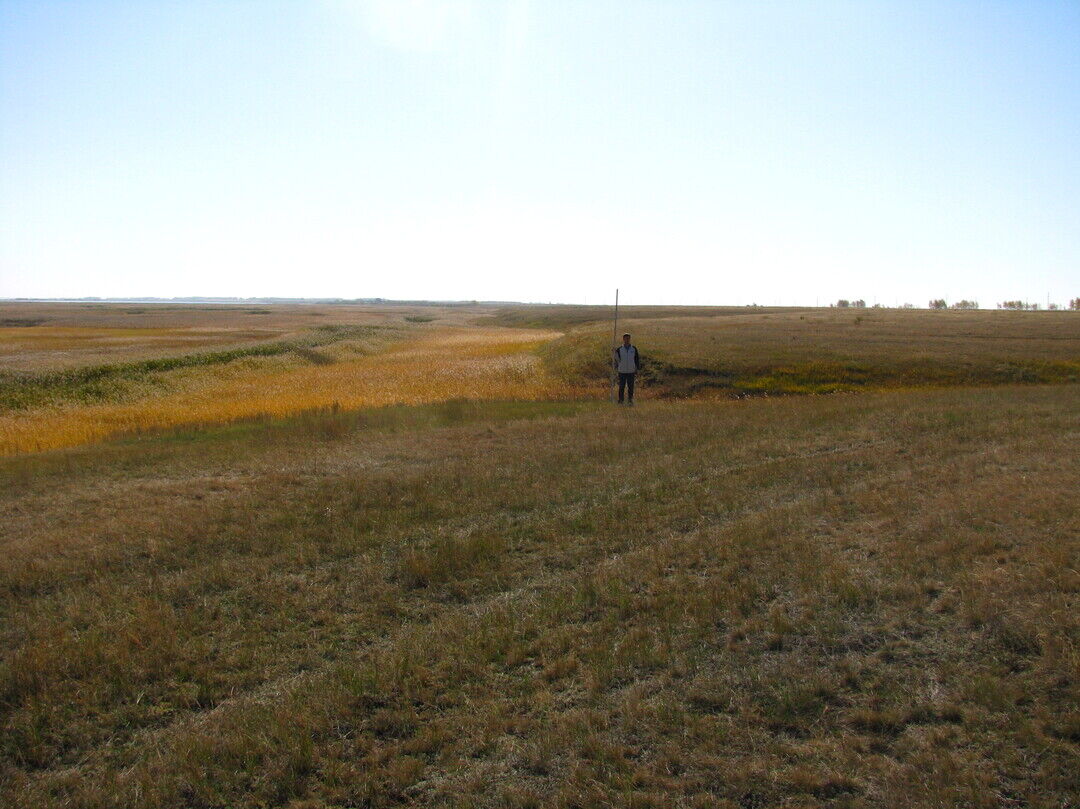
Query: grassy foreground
[853, 601]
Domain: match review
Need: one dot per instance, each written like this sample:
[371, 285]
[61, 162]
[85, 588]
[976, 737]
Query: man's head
[626, 339]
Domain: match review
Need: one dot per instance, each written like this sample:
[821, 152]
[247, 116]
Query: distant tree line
[938, 303]
[1024, 306]
[942, 304]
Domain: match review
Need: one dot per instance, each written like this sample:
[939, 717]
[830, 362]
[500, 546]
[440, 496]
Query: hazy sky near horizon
[687, 152]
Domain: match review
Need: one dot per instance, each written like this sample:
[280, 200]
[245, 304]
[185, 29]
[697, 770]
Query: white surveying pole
[614, 345]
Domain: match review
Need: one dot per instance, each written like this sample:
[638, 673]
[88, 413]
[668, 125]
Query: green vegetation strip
[822, 378]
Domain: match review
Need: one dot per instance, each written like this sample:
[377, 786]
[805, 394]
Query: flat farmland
[829, 350]
[52, 336]
[413, 557]
[60, 393]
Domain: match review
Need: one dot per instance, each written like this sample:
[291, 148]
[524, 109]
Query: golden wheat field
[411, 556]
[483, 363]
[426, 363]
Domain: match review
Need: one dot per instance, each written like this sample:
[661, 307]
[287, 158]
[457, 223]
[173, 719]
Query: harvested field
[431, 594]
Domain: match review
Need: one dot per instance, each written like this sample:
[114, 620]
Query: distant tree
[939, 303]
[908, 306]
[843, 303]
[859, 304]
[1021, 306]
[1053, 307]
[965, 304]
[1074, 304]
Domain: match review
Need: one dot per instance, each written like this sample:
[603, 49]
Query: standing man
[627, 363]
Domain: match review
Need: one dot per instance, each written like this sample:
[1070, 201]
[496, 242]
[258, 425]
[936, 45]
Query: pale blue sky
[687, 152]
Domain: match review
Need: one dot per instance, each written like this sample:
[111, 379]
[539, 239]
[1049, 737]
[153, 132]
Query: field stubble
[845, 601]
[829, 351]
[388, 591]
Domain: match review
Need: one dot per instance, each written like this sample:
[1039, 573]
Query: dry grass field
[827, 351]
[57, 336]
[365, 357]
[434, 595]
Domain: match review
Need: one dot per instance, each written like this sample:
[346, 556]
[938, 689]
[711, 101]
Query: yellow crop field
[437, 365]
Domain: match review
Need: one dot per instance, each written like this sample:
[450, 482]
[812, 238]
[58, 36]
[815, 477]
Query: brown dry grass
[817, 601]
[845, 601]
[37, 336]
[821, 351]
[51, 347]
[874, 336]
[278, 316]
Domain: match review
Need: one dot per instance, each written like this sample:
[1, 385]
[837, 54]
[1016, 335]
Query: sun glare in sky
[686, 152]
